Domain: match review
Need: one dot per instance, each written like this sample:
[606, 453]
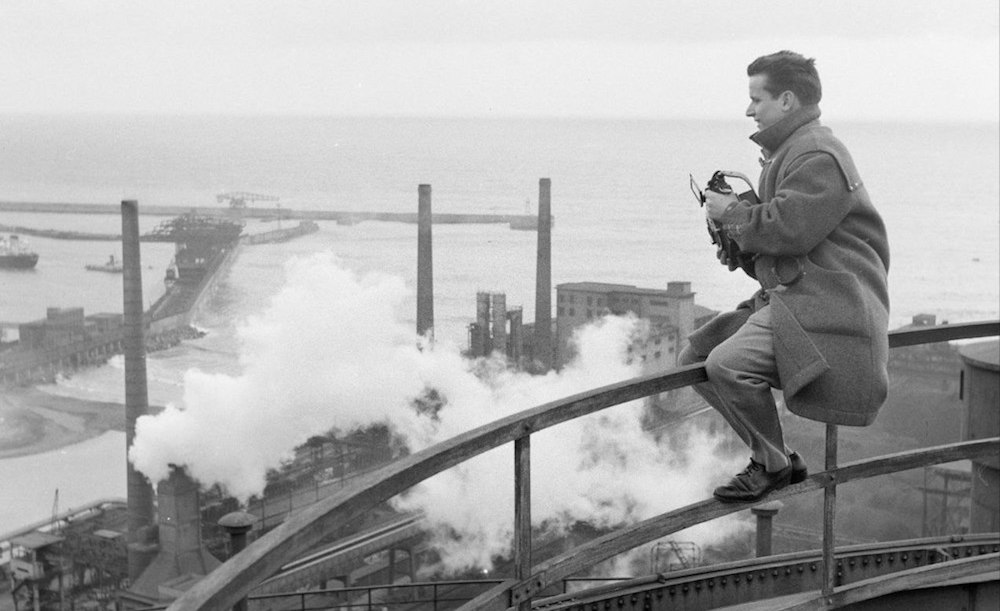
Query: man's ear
[789, 101]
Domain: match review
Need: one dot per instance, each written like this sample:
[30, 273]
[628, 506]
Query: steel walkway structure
[829, 578]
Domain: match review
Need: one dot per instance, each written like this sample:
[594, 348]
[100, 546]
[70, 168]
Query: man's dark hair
[789, 71]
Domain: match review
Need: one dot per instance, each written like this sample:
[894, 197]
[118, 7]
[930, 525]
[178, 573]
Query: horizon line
[990, 122]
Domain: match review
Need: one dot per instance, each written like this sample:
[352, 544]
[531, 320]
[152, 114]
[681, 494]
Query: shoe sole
[778, 486]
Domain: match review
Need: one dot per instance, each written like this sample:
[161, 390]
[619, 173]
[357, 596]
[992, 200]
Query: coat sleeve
[809, 202]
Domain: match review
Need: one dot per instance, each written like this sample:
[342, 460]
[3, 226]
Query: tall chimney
[543, 277]
[425, 267]
[499, 323]
[140, 491]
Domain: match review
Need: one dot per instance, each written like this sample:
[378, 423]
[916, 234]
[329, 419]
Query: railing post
[765, 514]
[829, 510]
[237, 524]
[522, 514]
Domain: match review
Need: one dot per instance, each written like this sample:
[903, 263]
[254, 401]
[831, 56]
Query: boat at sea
[112, 266]
[15, 254]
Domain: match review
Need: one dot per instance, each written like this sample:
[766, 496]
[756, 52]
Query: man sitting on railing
[818, 326]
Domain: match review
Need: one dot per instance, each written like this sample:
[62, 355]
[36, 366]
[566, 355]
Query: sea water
[623, 214]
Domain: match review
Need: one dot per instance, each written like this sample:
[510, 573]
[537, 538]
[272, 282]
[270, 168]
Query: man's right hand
[724, 259]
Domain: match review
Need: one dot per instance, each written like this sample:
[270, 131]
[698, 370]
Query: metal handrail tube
[228, 583]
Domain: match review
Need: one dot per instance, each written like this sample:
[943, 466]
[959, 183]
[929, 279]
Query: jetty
[343, 217]
[67, 339]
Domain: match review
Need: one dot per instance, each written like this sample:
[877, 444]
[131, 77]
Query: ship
[14, 254]
[112, 266]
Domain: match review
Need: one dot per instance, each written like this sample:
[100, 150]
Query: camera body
[728, 247]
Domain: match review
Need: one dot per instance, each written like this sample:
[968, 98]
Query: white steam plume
[332, 352]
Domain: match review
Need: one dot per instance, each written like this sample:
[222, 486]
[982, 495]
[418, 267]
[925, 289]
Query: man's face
[764, 108]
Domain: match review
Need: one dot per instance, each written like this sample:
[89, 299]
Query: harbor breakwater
[517, 221]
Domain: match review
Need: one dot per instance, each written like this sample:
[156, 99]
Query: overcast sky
[879, 59]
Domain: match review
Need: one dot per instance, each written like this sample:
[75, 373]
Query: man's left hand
[717, 203]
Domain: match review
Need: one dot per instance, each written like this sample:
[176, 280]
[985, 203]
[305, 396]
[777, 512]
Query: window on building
[572, 311]
[657, 354]
[590, 300]
[561, 311]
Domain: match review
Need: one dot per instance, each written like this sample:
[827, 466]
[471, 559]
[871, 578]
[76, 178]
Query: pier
[343, 217]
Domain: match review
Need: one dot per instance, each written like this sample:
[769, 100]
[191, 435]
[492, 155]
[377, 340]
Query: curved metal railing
[230, 582]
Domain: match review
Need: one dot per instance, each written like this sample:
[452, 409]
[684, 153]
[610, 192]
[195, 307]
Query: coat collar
[770, 138]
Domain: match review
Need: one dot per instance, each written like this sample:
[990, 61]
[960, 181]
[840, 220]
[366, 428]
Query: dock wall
[25, 367]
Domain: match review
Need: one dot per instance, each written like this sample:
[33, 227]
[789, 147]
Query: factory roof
[36, 540]
[606, 287]
[597, 287]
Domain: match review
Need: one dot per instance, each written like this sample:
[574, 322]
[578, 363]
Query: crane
[239, 199]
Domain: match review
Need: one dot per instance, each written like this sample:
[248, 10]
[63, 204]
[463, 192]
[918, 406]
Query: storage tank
[981, 395]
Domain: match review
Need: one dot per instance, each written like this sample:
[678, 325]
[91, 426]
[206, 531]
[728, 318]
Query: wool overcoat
[821, 257]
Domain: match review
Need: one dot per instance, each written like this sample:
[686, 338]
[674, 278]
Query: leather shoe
[753, 483]
[799, 470]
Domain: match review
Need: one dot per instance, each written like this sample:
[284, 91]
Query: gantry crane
[239, 199]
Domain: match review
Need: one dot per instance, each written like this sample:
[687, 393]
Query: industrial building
[62, 326]
[498, 330]
[671, 315]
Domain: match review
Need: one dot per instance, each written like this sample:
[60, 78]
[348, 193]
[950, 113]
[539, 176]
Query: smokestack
[516, 343]
[140, 491]
[180, 524]
[182, 559]
[485, 344]
[499, 325]
[425, 268]
[543, 277]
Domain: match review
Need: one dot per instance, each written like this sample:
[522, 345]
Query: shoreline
[33, 421]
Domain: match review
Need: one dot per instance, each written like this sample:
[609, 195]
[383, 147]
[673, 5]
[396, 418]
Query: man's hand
[724, 259]
[717, 203]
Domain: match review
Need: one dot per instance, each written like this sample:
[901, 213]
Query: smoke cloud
[332, 351]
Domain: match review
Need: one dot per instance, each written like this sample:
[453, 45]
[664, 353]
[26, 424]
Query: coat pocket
[798, 359]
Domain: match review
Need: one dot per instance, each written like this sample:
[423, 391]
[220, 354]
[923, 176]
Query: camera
[733, 257]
